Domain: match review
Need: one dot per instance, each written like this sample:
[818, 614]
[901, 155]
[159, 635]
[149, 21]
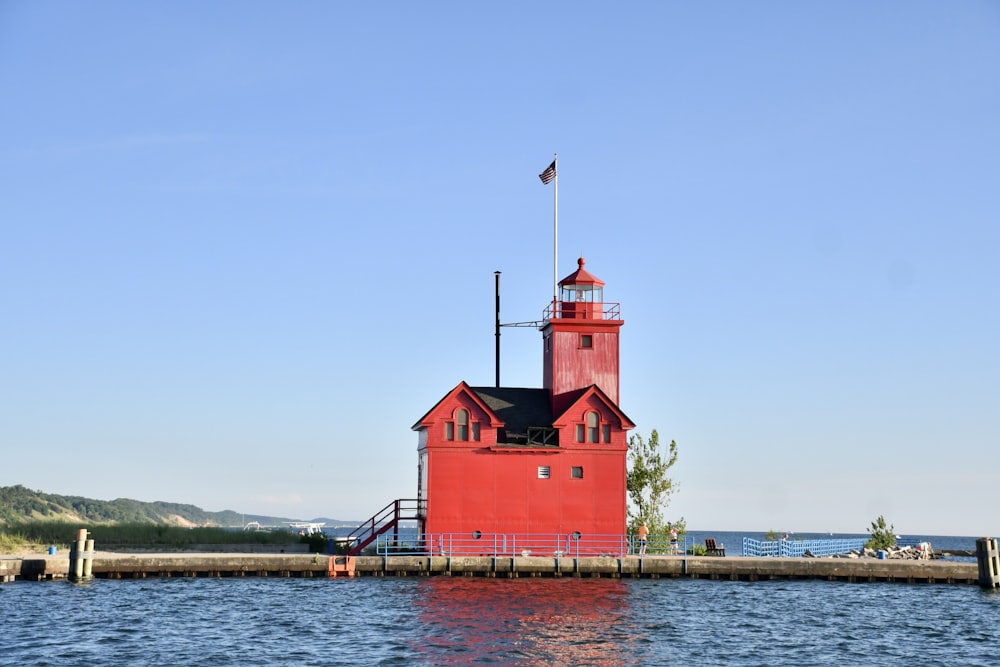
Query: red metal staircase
[384, 520]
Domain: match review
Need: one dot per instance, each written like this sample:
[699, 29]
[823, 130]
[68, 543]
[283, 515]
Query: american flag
[549, 174]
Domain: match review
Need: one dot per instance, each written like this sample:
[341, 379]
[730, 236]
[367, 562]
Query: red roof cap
[581, 276]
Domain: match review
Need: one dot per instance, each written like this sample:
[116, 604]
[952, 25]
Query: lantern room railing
[582, 310]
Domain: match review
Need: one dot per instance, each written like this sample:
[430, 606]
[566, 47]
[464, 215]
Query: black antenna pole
[497, 274]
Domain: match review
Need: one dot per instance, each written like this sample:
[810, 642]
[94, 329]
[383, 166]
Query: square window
[586, 340]
[544, 472]
[577, 472]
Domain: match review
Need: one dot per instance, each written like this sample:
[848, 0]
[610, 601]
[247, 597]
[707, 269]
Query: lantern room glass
[583, 293]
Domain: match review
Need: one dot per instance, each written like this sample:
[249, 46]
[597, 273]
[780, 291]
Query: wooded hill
[18, 505]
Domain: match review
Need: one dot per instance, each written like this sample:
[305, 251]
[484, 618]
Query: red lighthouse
[500, 462]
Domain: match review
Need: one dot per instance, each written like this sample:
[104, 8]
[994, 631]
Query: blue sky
[244, 246]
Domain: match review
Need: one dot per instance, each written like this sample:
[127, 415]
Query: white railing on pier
[572, 545]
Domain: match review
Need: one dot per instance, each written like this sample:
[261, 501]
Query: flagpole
[555, 236]
[551, 173]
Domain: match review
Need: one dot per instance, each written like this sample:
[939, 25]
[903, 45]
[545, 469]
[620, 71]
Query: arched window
[462, 427]
[593, 427]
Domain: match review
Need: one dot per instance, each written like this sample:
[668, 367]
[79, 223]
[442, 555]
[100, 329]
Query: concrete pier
[107, 565]
[736, 569]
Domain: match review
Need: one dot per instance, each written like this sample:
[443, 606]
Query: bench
[713, 549]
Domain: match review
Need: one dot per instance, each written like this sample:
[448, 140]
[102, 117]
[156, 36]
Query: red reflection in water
[564, 621]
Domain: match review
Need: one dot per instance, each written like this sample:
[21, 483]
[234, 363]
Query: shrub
[318, 542]
[883, 536]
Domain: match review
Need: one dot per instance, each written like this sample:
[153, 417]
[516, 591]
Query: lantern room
[581, 295]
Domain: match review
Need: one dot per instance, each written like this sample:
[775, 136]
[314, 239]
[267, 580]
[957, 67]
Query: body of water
[464, 621]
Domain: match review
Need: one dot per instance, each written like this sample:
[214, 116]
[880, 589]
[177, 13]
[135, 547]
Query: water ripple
[466, 621]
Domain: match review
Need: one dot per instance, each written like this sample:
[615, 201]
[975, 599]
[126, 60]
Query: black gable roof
[520, 409]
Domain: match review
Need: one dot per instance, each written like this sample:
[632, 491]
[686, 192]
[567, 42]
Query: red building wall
[568, 366]
[500, 492]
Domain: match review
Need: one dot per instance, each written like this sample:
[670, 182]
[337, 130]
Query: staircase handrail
[380, 522]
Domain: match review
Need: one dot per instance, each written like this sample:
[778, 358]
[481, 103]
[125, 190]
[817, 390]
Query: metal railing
[604, 310]
[662, 545]
[387, 518]
[573, 545]
[799, 548]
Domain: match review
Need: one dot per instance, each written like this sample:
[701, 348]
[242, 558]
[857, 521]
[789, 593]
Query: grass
[23, 535]
[13, 542]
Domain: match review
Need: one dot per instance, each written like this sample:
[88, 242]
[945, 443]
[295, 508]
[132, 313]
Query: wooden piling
[81, 557]
[88, 559]
[988, 558]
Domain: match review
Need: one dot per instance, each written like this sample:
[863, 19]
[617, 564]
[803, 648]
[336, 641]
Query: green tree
[649, 487]
[883, 536]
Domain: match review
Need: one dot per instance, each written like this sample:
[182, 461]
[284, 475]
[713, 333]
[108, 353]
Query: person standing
[673, 540]
[643, 535]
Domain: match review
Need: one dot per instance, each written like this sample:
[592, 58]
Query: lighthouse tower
[580, 338]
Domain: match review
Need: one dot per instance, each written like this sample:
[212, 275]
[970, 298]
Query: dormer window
[460, 428]
[592, 430]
